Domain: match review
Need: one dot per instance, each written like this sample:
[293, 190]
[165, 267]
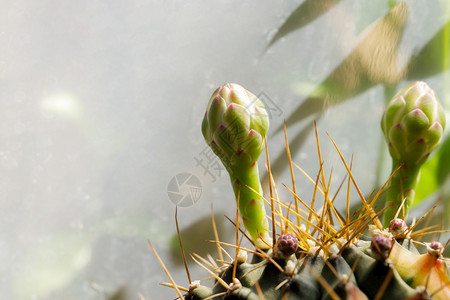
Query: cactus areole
[234, 126]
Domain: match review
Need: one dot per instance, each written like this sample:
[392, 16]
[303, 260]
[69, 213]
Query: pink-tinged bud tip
[435, 248]
[381, 247]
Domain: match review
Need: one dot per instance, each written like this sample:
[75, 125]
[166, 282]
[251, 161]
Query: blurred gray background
[101, 103]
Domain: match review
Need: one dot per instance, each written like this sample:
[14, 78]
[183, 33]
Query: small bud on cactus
[413, 125]
[234, 126]
[397, 228]
[381, 247]
[435, 248]
[287, 245]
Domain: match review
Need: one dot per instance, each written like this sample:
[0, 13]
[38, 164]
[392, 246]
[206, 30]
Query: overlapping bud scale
[413, 124]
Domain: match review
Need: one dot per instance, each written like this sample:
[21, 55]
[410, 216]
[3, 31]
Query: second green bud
[413, 125]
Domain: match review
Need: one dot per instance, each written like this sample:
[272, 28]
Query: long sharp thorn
[400, 208]
[237, 235]
[314, 198]
[166, 284]
[324, 283]
[333, 270]
[347, 208]
[216, 234]
[220, 280]
[377, 222]
[166, 271]
[288, 152]
[420, 220]
[258, 290]
[385, 284]
[319, 153]
[181, 245]
[277, 200]
[274, 234]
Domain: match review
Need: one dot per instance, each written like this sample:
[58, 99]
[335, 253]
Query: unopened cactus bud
[234, 126]
[287, 245]
[236, 121]
[381, 247]
[413, 125]
[435, 248]
[398, 227]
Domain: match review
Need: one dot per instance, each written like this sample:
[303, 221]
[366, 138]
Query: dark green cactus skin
[242, 293]
[363, 282]
[304, 284]
[270, 278]
[339, 265]
[199, 293]
[255, 269]
[370, 275]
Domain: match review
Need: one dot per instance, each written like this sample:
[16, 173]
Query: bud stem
[245, 181]
[402, 185]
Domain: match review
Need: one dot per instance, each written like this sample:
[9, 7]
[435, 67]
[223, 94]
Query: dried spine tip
[236, 284]
[290, 268]
[381, 247]
[194, 284]
[242, 256]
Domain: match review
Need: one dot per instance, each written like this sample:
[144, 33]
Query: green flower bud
[234, 120]
[413, 125]
[234, 126]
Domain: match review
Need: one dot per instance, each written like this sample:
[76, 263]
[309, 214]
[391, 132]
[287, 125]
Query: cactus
[324, 254]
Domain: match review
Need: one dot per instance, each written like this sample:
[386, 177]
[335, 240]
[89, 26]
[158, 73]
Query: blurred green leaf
[443, 170]
[428, 182]
[307, 12]
[372, 62]
[434, 173]
[433, 58]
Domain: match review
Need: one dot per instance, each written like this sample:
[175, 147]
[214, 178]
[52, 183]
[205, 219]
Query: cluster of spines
[328, 263]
